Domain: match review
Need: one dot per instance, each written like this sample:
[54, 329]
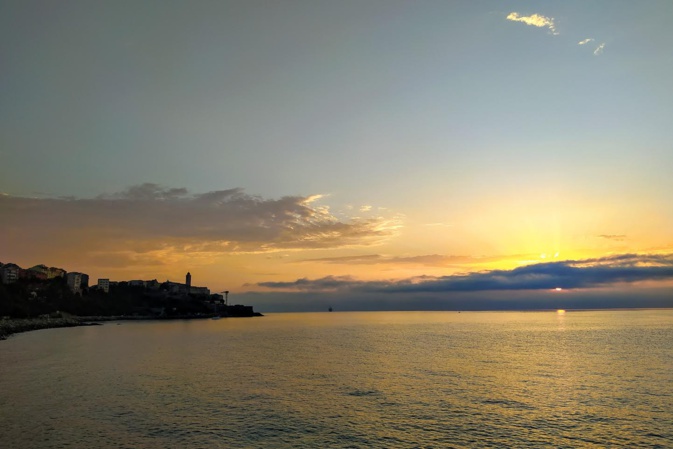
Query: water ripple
[468, 380]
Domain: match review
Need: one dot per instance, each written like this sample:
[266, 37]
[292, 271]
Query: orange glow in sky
[284, 150]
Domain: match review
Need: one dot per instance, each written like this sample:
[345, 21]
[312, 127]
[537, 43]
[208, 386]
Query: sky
[378, 155]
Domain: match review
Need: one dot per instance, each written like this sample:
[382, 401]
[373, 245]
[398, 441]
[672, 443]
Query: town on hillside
[42, 290]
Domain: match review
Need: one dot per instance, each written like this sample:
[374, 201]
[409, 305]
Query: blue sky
[471, 131]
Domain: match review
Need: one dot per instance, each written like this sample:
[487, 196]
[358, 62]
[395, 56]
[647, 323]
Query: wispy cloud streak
[433, 260]
[616, 237]
[535, 20]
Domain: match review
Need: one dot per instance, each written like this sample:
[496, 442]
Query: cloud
[588, 273]
[439, 224]
[541, 21]
[325, 284]
[616, 237]
[169, 222]
[535, 20]
[145, 192]
[434, 260]
[366, 259]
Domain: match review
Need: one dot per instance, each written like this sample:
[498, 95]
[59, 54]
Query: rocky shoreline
[17, 325]
[9, 326]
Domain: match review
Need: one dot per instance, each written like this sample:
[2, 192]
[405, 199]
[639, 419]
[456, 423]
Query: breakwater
[16, 325]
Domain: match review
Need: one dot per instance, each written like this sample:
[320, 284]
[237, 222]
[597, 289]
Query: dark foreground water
[345, 380]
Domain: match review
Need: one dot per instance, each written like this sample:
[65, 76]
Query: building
[39, 271]
[56, 273]
[44, 272]
[174, 288]
[74, 281]
[199, 291]
[35, 272]
[104, 284]
[152, 285]
[10, 273]
[185, 289]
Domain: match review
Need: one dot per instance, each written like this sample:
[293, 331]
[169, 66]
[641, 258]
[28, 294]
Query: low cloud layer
[150, 219]
[572, 274]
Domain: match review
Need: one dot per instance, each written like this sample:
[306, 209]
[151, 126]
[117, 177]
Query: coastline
[12, 326]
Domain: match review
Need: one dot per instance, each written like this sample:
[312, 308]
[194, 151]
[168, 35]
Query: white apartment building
[104, 284]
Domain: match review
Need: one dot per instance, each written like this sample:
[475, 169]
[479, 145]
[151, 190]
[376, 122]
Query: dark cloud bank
[570, 274]
[615, 281]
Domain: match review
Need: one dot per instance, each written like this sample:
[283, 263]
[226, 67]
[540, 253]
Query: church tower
[188, 281]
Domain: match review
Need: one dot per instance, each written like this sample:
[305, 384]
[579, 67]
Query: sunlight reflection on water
[392, 379]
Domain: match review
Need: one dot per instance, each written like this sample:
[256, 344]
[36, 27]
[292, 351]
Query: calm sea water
[345, 380]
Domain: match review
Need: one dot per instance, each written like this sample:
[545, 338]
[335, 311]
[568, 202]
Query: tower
[188, 281]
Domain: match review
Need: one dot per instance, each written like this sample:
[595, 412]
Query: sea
[580, 379]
